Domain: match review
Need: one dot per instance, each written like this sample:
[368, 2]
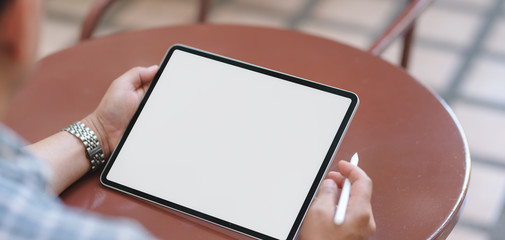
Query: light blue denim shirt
[28, 209]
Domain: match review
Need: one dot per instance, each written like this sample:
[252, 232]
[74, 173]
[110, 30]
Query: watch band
[94, 151]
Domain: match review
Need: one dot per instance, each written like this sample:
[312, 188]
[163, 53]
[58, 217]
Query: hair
[3, 5]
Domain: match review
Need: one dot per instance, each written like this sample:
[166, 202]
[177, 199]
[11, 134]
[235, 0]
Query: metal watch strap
[94, 151]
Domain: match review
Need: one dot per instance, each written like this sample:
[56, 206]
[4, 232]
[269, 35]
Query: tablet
[231, 143]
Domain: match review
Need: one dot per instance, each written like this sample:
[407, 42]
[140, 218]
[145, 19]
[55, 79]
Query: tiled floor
[459, 52]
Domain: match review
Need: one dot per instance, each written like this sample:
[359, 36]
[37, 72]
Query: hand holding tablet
[237, 127]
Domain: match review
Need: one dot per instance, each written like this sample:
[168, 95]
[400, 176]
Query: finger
[352, 172]
[138, 77]
[337, 177]
[361, 190]
[358, 178]
[146, 75]
[327, 196]
[371, 223]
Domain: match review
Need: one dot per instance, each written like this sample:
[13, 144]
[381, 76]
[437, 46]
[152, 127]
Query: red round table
[407, 138]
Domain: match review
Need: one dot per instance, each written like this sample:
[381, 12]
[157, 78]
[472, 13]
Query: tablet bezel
[278, 75]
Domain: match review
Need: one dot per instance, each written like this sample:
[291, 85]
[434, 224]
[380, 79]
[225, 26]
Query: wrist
[94, 124]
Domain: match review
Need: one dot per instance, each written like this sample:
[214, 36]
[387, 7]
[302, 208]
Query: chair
[403, 25]
[99, 7]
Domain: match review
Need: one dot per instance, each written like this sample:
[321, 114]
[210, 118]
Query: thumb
[147, 74]
[327, 195]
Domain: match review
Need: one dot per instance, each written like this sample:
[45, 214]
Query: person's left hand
[111, 117]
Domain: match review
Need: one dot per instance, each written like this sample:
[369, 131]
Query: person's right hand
[359, 222]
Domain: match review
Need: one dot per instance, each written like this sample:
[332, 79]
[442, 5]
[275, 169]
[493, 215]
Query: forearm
[65, 155]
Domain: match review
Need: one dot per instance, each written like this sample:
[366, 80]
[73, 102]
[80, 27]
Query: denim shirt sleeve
[28, 210]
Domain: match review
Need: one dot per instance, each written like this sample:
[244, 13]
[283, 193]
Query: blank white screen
[235, 144]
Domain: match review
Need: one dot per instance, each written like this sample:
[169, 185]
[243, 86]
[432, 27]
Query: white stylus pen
[344, 195]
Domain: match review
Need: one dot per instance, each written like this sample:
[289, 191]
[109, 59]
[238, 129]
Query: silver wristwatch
[94, 151]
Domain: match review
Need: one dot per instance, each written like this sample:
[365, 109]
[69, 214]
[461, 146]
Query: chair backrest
[99, 7]
[403, 25]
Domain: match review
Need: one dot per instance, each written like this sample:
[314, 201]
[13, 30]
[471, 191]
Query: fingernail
[328, 183]
[152, 67]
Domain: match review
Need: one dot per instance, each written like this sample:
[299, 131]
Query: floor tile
[282, 7]
[475, 5]
[486, 195]
[496, 41]
[66, 33]
[108, 29]
[354, 39]
[463, 233]
[484, 129]
[393, 53]
[486, 80]
[75, 8]
[433, 67]
[235, 13]
[153, 13]
[447, 26]
[369, 14]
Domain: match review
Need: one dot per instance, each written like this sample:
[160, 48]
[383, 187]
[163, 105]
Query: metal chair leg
[408, 39]
[203, 11]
